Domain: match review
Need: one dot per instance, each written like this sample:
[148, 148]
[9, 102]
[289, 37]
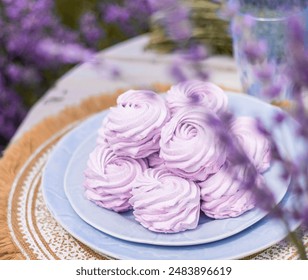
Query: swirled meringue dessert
[163, 157]
[255, 145]
[224, 195]
[101, 139]
[163, 202]
[132, 128]
[190, 147]
[197, 93]
[109, 178]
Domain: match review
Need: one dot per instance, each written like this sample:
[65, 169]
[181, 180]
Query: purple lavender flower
[14, 72]
[177, 23]
[143, 8]
[298, 52]
[255, 50]
[90, 29]
[115, 13]
[222, 126]
[188, 63]
[34, 44]
[272, 91]
[177, 71]
[265, 72]
[69, 53]
[280, 117]
[195, 53]
[25, 59]
[130, 17]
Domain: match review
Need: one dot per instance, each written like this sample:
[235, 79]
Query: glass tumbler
[259, 33]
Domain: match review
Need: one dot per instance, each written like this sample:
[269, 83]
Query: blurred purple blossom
[237, 156]
[272, 91]
[174, 17]
[129, 15]
[69, 53]
[280, 117]
[265, 72]
[177, 72]
[25, 26]
[177, 23]
[295, 74]
[188, 64]
[36, 47]
[115, 13]
[145, 8]
[90, 30]
[195, 53]
[14, 72]
[297, 45]
[255, 50]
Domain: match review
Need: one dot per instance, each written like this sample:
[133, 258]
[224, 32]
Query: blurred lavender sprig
[31, 41]
[174, 16]
[36, 48]
[254, 51]
[129, 16]
[297, 73]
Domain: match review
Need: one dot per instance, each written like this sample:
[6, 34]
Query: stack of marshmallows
[160, 157]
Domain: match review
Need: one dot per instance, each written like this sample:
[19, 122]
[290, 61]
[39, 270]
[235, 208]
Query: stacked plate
[120, 236]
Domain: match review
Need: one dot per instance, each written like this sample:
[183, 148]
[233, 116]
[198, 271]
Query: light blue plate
[125, 227]
[251, 240]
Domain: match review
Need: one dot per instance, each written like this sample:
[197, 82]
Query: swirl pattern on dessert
[254, 144]
[133, 127]
[155, 161]
[165, 203]
[189, 145]
[101, 139]
[224, 194]
[109, 178]
[192, 93]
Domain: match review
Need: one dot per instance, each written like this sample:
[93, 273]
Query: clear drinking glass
[259, 33]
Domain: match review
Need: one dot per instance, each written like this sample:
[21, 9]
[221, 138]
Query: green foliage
[70, 11]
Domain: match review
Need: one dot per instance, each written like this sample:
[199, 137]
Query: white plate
[125, 227]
